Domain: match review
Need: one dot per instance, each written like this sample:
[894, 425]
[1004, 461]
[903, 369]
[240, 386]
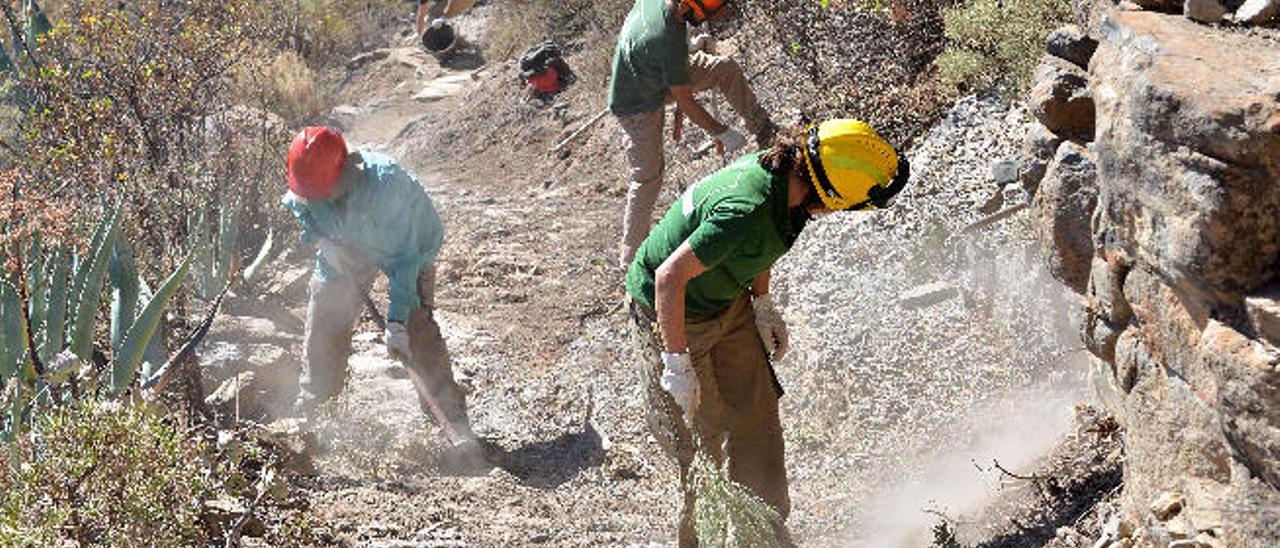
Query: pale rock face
[1188, 140]
[1182, 299]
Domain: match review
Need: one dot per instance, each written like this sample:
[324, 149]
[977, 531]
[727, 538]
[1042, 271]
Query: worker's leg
[431, 359]
[755, 446]
[331, 315]
[707, 71]
[644, 153]
[664, 416]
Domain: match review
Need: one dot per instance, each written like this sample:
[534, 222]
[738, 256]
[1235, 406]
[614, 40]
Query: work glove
[731, 141]
[397, 339]
[680, 381]
[438, 22]
[773, 331]
[702, 42]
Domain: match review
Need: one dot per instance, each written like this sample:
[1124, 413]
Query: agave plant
[46, 344]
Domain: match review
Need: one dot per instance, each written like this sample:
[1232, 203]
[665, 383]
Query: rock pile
[1163, 215]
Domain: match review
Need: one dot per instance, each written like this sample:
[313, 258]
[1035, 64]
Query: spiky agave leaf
[154, 356]
[55, 326]
[228, 238]
[125, 367]
[263, 257]
[90, 294]
[124, 300]
[12, 334]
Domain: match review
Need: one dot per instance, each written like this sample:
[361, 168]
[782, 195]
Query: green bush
[998, 42]
[102, 473]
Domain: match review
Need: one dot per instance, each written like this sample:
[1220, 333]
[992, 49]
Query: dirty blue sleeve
[310, 217]
[409, 231]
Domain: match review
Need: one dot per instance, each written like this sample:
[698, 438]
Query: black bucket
[440, 40]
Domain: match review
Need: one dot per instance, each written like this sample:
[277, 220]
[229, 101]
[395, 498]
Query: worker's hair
[786, 155]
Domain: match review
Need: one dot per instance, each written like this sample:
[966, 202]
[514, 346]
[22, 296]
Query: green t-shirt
[651, 56]
[738, 224]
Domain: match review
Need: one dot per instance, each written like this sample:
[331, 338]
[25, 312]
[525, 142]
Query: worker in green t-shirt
[703, 326]
[652, 65]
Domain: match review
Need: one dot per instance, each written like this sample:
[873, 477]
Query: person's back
[651, 56]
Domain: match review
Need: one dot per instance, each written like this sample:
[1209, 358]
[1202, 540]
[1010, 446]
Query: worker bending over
[703, 327]
[652, 65]
[367, 213]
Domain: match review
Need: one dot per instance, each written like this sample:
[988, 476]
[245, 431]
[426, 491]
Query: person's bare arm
[690, 106]
[422, 19]
[760, 283]
[669, 285]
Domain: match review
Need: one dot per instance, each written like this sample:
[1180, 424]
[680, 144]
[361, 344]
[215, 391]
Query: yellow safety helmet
[851, 166]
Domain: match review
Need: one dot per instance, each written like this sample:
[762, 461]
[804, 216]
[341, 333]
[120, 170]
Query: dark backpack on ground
[535, 62]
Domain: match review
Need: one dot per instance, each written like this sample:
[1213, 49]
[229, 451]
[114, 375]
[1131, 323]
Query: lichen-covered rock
[1061, 99]
[1188, 143]
[1037, 151]
[1072, 44]
[1249, 396]
[1065, 202]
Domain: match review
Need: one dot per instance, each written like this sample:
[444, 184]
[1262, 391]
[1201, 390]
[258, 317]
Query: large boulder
[1065, 202]
[1061, 99]
[1088, 14]
[1188, 141]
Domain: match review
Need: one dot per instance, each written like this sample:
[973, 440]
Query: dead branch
[233, 534]
[162, 376]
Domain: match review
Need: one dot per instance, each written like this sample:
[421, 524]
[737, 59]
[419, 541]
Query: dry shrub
[292, 90]
[102, 473]
[998, 42]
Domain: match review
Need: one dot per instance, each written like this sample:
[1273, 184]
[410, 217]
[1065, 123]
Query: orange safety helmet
[315, 162]
[701, 10]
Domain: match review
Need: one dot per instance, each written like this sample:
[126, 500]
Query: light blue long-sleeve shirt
[386, 216]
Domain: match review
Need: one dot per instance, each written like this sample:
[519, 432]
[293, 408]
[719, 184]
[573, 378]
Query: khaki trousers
[644, 142]
[331, 314]
[737, 414]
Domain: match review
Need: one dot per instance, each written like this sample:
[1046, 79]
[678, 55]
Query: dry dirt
[526, 299]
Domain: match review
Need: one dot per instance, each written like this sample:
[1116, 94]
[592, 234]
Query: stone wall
[1156, 172]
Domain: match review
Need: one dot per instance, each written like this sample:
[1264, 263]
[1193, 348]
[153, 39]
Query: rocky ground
[923, 351]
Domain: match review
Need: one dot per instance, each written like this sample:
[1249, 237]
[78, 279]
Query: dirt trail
[522, 288]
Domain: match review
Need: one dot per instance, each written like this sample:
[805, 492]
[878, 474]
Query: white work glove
[681, 382]
[438, 22]
[702, 42]
[731, 141]
[773, 331]
[397, 339]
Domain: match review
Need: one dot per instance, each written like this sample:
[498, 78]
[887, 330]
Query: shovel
[418, 382]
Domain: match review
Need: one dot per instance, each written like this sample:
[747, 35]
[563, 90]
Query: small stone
[1005, 172]
[1167, 505]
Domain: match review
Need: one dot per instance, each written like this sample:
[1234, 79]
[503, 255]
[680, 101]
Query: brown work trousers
[644, 142]
[737, 412]
[331, 314]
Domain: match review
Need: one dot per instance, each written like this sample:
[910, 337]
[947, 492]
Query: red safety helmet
[315, 162]
[701, 10]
